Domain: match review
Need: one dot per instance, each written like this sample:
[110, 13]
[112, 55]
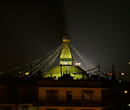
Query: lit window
[125, 92]
[87, 94]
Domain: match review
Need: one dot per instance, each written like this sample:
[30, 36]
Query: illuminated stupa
[66, 64]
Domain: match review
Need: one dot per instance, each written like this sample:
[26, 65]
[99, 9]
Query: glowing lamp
[119, 81]
[125, 92]
[122, 74]
[77, 64]
[27, 73]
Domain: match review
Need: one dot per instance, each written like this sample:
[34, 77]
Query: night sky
[100, 30]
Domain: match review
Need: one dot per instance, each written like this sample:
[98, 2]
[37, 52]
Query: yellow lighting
[66, 55]
[125, 92]
[129, 62]
[122, 74]
[27, 73]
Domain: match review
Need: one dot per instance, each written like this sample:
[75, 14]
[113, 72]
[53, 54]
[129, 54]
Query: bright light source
[119, 81]
[111, 74]
[122, 74]
[77, 64]
[128, 104]
[125, 92]
[65, 63]
[27, 73]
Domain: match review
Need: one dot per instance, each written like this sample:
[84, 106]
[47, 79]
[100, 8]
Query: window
[86, 109]
[51, 109]
[52, 94]
[25, 108]
[87, 94]
[103, 94]
[6, 108]
[68, 94]
[105, 109]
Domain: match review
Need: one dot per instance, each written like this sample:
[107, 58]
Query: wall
[76, 91]
[74, 108]
[31, 107]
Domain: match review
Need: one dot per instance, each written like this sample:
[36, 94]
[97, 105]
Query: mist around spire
[66, 37]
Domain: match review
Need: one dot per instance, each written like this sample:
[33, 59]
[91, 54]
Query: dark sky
[100, 30]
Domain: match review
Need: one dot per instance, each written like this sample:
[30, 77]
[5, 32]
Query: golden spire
[66, 56]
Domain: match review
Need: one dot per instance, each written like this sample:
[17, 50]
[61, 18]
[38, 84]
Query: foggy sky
[100, 30]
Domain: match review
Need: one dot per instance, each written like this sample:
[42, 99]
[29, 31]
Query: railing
[75, 101]
[16, 100]
[69, 83]
[73, 97]
[7, 100]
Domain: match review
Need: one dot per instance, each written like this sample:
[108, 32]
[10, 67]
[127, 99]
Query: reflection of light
[110, 74]
[77, 64]
[119, 81]
[27, 73]
[122, 74]
[65, 63]
[125, 92]
[110, 78]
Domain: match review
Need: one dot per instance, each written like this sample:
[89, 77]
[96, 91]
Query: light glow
[77, 64]
[125, 92]
[119, 81]
[122, 74]
[27, 73]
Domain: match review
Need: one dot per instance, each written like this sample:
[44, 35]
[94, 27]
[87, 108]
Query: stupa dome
[75, 71]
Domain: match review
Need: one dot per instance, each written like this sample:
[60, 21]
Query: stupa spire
[66, 38]
[66, 56]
